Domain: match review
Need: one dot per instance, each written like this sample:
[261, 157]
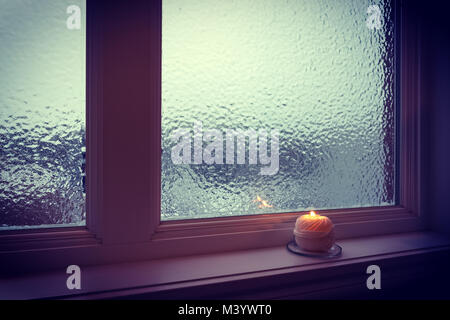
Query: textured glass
[321, 72]
[42, 114]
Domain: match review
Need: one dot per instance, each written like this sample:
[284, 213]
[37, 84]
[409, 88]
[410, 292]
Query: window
[125, 92]
[42, 114]
[317, 77]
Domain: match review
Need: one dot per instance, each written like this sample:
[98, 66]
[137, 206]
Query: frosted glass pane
[320, 72]
[42, 113]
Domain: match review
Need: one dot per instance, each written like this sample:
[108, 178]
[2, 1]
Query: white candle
[314, 232]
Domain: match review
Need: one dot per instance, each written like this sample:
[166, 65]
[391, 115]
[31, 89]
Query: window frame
[123, 188]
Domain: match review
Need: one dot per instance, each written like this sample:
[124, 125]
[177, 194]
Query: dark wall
[435, 105]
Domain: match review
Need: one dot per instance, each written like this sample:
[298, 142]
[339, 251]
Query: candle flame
[312, 213]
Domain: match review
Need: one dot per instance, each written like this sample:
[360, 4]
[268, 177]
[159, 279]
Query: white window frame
[123, 175]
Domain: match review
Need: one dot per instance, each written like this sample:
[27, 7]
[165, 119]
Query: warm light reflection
[312, 213]
[262, 203]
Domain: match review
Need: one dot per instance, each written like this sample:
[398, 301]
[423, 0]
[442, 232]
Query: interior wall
[435, 112]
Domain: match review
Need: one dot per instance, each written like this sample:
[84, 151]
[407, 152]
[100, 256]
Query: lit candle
[314, 232]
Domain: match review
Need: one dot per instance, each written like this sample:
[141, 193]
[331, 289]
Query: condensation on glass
[321, 72]
[42, 113]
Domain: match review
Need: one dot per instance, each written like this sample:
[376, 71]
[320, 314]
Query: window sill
[232, 274]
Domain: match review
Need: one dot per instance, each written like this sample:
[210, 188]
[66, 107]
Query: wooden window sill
[232, 274]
